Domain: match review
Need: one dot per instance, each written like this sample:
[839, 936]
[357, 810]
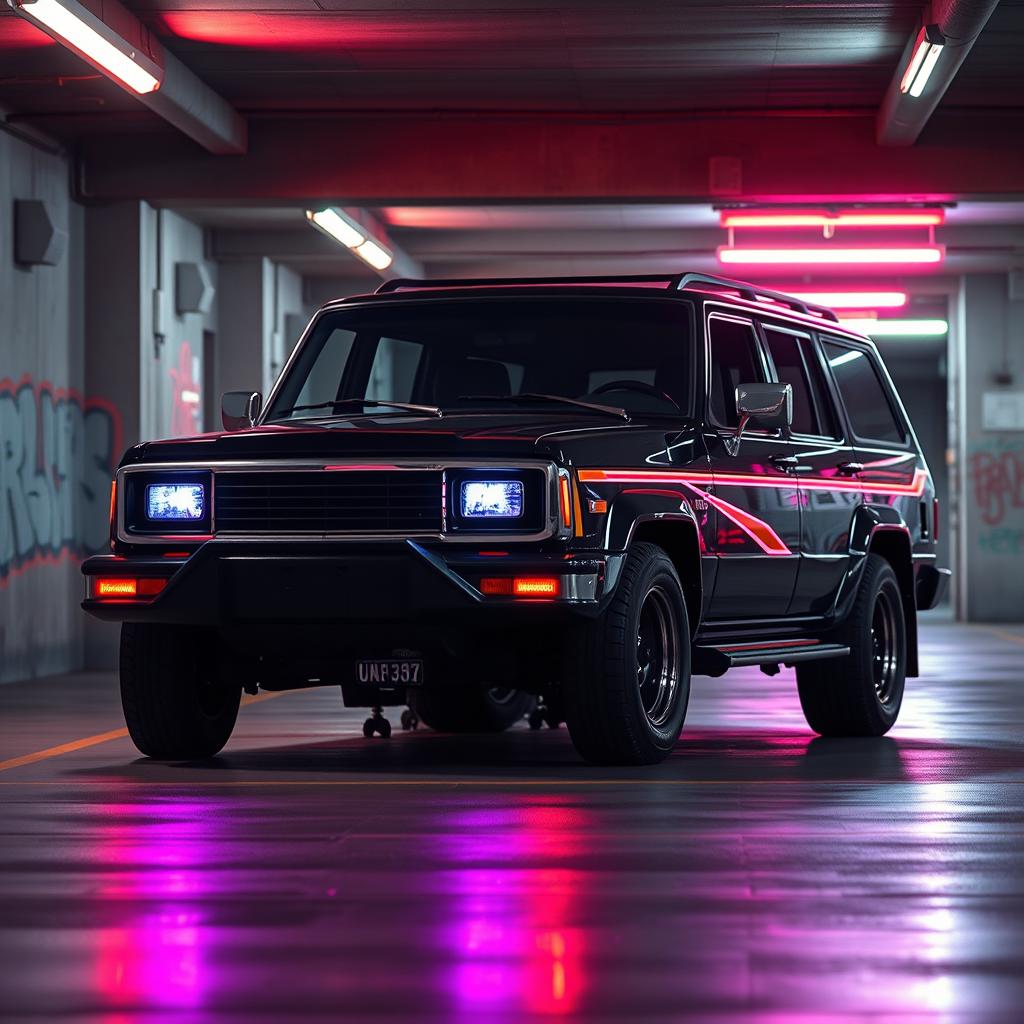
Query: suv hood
[486, 435]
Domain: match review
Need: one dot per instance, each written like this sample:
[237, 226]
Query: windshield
[520, 355]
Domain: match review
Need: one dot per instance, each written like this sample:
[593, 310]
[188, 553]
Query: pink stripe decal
[756, 529]
[638, 476]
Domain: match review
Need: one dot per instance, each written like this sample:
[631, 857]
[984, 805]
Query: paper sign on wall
[1002, 410]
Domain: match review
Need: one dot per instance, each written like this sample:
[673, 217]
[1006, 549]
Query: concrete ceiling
[481, 134]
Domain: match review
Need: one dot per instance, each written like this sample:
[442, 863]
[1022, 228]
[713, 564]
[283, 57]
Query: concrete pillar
[988, 358]
[259, 301]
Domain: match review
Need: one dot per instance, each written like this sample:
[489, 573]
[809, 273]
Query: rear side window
[867, 404]
[796, 364]
[734, 361]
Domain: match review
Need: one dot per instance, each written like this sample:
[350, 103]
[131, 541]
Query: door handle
[789, 463]
[849, 468]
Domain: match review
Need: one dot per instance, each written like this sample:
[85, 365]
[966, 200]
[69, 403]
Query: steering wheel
[636, 385]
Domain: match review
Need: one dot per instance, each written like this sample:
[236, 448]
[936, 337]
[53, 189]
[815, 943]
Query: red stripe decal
[913, 489]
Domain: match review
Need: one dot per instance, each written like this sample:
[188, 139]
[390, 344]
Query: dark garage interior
[186, 189]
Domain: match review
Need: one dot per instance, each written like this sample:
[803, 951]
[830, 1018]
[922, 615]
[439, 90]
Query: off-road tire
[842, 696]
[175, 706]
[602, 671]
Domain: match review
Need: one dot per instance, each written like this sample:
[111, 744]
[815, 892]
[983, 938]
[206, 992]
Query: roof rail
[673, 282]
[752, 293]
[398, 283]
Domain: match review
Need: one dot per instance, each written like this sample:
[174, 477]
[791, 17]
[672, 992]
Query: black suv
[494, 499]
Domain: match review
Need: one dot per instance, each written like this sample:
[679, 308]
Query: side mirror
[766, 405]
[239, 410]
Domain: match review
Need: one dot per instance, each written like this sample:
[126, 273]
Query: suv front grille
[326, 501]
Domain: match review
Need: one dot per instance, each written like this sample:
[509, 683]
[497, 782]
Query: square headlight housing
[166, 502]
[496, 500]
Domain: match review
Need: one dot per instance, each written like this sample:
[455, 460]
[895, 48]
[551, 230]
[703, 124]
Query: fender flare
[665, 517]
[880, 529]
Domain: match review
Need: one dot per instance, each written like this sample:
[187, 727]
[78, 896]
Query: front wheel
[860, 695]
[175, 705]
[627, 673]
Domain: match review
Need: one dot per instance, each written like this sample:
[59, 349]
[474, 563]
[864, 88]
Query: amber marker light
[563, 490]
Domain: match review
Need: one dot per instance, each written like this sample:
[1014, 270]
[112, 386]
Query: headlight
[495, 501]
[491, 499]
[157, 502]
[175, 502]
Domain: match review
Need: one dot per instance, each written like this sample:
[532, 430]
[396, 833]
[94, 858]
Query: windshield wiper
[534, 396]
[431, 410]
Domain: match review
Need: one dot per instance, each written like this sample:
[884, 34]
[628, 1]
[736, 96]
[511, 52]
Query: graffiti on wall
[57, 456]
[185, 394]
[996, 471]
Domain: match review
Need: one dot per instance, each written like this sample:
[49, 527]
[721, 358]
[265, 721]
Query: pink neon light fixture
[831, 219]
[835, 256]
[851, 299]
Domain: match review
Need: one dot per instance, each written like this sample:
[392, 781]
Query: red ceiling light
[826, 219]
[834, 256]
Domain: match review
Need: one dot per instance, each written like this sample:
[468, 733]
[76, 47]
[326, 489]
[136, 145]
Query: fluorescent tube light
[370, 252]
[927, 49]
[851, 300]
[899, 328]
[823, 218]
[338, 226]
[832, 255]
[352, 235]
[92, 39]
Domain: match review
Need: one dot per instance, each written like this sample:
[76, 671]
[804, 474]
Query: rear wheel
[473, 710]
[627, 673]
[175, 704]
[860, 695]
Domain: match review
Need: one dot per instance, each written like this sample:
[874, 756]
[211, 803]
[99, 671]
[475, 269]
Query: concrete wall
[988, 354]
[58, 437]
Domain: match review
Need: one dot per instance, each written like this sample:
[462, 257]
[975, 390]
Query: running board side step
[714, 661]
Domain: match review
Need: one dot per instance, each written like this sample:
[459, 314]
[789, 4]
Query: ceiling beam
[902, 117]
[382, 159]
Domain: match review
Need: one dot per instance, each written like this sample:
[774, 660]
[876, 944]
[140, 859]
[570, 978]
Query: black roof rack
[398, 283]
[752, 293]
[672, 282]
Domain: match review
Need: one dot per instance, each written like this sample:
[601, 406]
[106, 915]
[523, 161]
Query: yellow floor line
[100, 737]
[1013, 638]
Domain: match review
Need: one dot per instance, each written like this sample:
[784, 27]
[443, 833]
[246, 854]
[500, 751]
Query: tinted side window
[789, 368]
[734, 361]
[871, 414]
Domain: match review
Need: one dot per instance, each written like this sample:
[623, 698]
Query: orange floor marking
[100, 737]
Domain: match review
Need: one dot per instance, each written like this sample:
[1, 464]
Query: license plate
[390, 672]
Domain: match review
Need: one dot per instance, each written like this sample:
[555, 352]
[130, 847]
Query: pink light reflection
[153, 955]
